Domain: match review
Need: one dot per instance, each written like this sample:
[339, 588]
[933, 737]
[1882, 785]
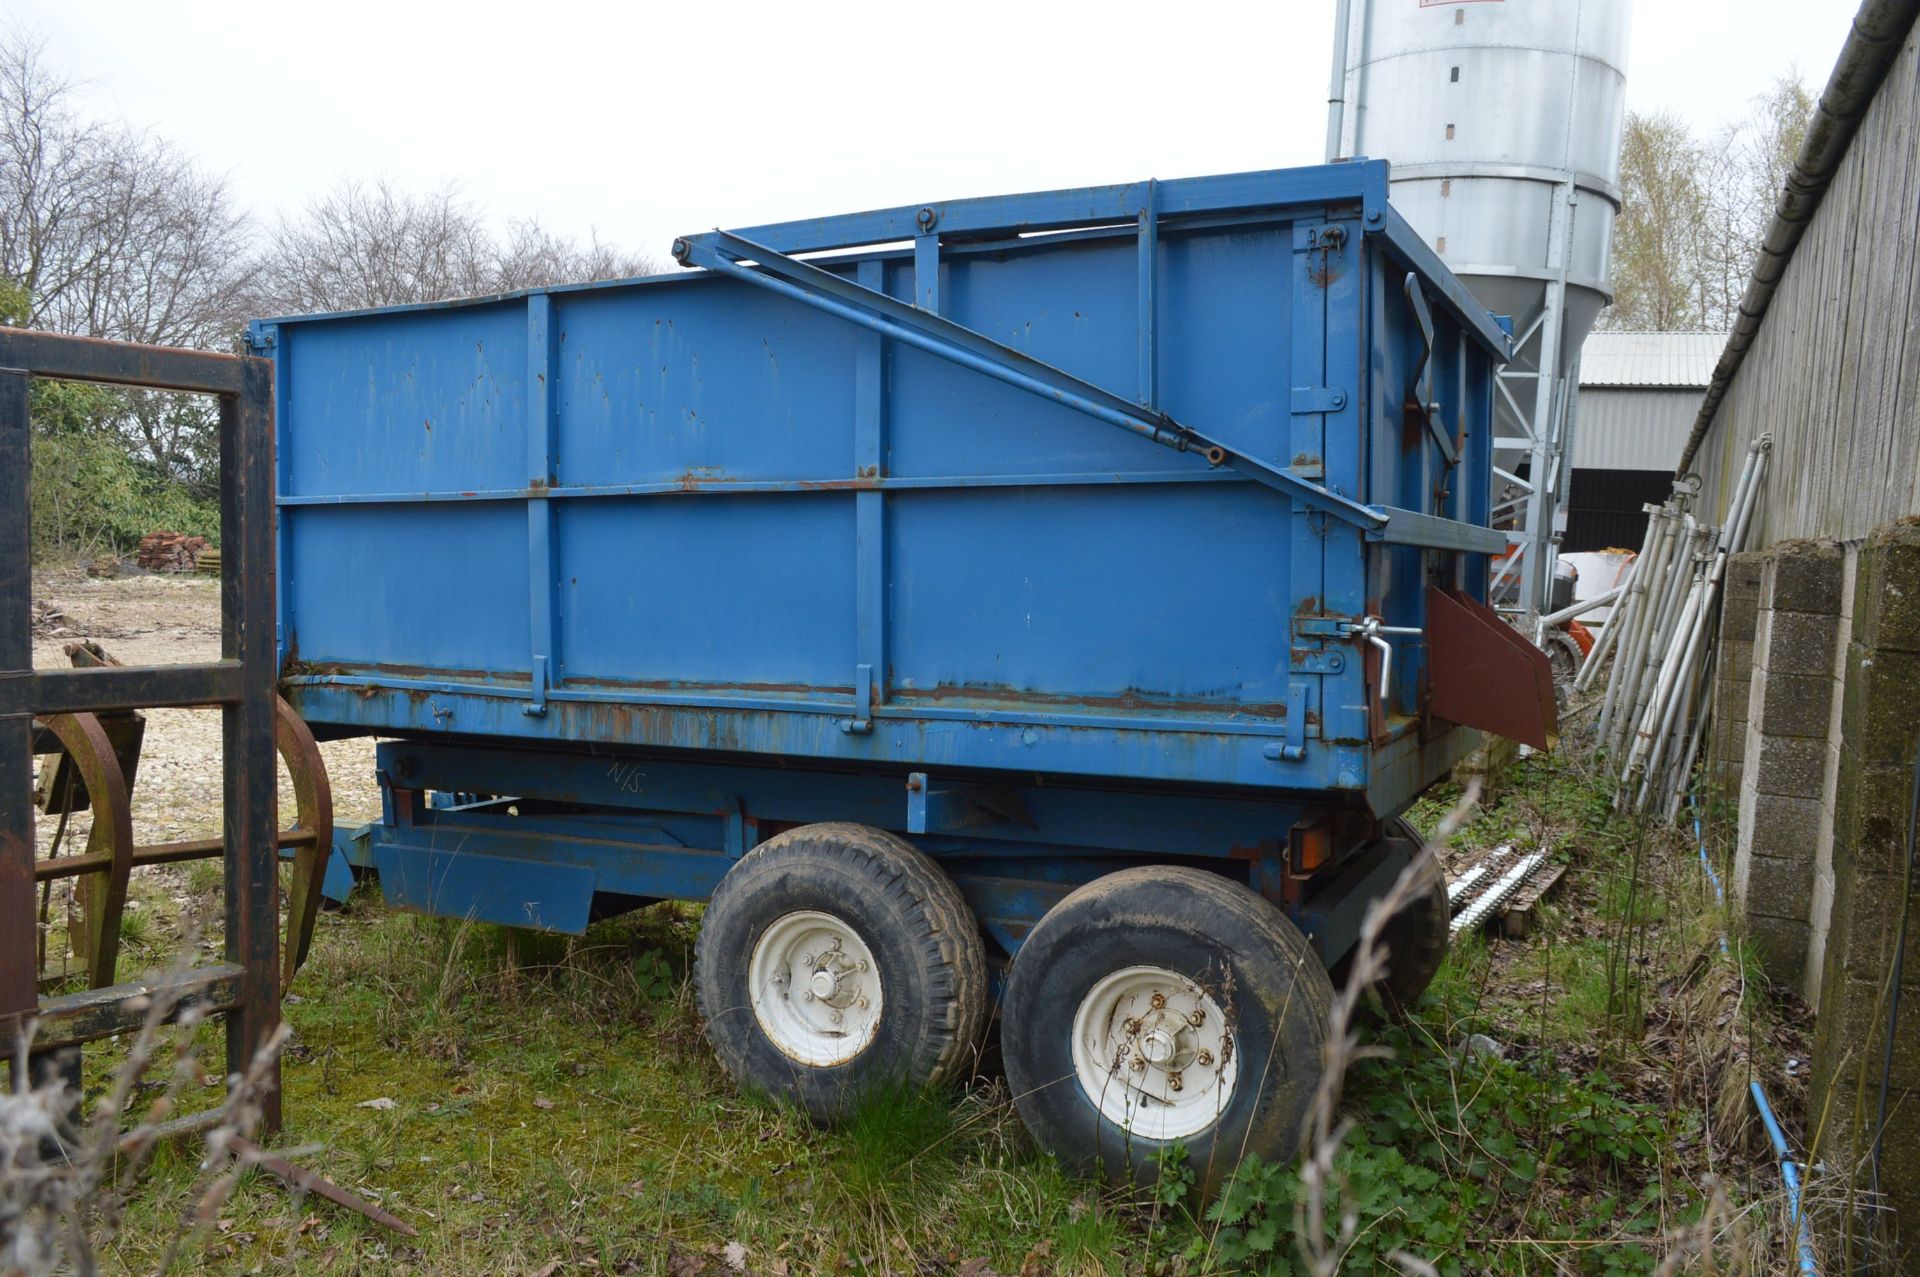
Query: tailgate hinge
[1294, 748]
[862, 721]
[1318, 645]
[1311, 399]
[538, 705]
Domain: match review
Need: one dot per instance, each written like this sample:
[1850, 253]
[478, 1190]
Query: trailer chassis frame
[529, 837]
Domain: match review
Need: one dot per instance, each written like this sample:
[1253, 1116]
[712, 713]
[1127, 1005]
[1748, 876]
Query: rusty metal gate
[69, 712]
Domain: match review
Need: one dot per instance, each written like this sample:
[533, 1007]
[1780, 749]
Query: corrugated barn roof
[1676, 360]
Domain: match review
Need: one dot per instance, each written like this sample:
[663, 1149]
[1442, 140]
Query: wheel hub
[815, 988]
[1153, 1051]
[1167, 1046]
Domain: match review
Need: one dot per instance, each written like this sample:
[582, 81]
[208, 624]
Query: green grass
[1576, 972]
[204, 877]
[554, 1102]
[136, 926]
[553, 1099]
[897, 1142]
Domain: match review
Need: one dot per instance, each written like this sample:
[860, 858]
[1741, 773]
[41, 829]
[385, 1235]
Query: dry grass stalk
[1320, 1179]
[65, 1178]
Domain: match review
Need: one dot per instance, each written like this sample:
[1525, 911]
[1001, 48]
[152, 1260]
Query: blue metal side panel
[1171, 747]
[438, 587]
[1334, 281]
[1403, 468]
[1073, 306]
[1045, 593]
[464, 882]
[721, 381]
[1229, 304]
[744, 592]
[398, 405]
[694, 513]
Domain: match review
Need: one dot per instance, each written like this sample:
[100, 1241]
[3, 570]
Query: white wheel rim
[1154, 1053]
[815, 988]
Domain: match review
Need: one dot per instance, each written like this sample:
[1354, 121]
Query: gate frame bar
[245, 987]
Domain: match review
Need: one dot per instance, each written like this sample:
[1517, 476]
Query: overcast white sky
[646, 120]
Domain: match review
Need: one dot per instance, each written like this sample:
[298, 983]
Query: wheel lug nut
[1204, 1058]
[806, 959]
[1198, 1018]
[1132, 1027]
[861, 1003]
[833, 1016]
[1173, 1082]
[806, 995]
[1159, 1001]
[1137, 1064]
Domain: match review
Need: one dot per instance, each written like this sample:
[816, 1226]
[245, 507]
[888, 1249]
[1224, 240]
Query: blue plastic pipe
[1781, 1151]
[1788, 1172]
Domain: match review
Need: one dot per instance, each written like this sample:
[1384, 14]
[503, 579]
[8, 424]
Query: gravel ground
[171, 620]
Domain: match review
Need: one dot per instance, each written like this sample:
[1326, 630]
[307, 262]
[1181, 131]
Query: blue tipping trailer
[1058, 593]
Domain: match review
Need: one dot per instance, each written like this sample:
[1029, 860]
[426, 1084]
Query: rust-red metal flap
[1485, 674]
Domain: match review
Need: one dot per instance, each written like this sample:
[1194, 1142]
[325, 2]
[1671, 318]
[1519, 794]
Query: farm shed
[1639, 395]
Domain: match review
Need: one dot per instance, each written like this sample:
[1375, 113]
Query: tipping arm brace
[729, 254]
[803, 282]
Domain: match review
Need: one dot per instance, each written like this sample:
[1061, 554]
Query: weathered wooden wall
[1834, 374]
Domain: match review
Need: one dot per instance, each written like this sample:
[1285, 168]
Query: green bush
[1557, 1156]
[90, 497]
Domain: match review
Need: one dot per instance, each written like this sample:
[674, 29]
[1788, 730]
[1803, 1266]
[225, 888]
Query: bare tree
[1746, 168]
[1693, 212]
[165, 258]
[371, 244]
[44, 183]
[533, 257]
[109, 232]
[1656, 234]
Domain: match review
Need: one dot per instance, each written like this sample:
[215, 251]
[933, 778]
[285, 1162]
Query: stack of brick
[170, 551]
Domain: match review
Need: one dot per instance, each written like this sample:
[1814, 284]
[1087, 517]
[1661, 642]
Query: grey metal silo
[1503, 120]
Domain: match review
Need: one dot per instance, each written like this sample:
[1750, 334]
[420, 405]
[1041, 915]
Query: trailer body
[1057, 532]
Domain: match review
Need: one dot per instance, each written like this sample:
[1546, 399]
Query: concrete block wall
[1732, 674]
[1785, 805]
[1820, 908]
[1879, 719]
